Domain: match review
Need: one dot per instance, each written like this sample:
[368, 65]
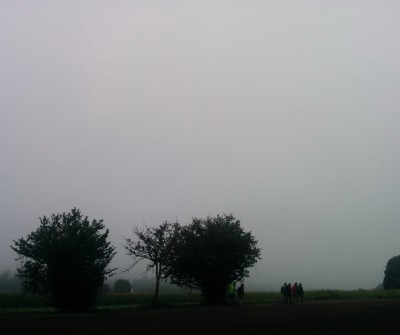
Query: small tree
[65, 260]
[122, 286]
[211, 253]
[392, 274]
[153, 245]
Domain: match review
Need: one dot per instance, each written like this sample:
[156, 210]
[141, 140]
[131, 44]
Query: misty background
[284, 113]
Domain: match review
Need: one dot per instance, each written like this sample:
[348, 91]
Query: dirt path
[366, 317]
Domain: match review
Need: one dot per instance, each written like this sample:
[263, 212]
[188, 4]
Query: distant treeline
[9, 283]
[144, 284]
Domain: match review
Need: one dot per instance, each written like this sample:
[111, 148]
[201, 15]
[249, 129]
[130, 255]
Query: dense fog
[284, 113]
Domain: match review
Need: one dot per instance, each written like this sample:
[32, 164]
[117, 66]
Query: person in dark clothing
[288, 293]
[283, 292]
[294, 293]
[300, 292]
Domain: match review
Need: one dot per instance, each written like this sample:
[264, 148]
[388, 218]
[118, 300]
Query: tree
[153, 245]
[65, 260]
[122, 286]
[211, 253]
[392, 274]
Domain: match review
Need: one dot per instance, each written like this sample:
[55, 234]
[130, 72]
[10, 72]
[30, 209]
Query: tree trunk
[158, 278]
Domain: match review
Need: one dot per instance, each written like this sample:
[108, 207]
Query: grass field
[323, 312]
[375, 316]
[20, 302]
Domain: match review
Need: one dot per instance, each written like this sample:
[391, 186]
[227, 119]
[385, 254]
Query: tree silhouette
[65, 260]
[212, 253]
[392, 274]
[154, 245]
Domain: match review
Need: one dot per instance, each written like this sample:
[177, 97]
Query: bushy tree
[392, 274]
[154, 245]
[122, 286]
[65, 260]
[211, 253]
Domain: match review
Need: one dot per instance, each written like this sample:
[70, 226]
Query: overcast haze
[284, 113]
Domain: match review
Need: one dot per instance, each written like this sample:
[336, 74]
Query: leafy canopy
[392, 274]
[211, 253]
[65, 260]
[154, 245]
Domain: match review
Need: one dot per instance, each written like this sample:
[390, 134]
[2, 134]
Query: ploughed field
[332, 317]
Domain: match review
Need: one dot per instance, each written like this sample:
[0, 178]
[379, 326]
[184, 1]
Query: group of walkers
[231, 292]
[292, 294]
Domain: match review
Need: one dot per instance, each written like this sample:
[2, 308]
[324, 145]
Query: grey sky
[284, 113]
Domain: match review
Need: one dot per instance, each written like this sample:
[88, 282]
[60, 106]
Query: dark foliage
[392, 274]
[154, 245]
[65, 260]
[211, 253]
[122, 286]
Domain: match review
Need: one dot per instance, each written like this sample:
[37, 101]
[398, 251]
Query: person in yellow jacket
[230, 293]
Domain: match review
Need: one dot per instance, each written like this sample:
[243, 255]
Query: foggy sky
[284, 113]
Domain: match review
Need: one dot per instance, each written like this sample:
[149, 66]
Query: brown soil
[366, 317]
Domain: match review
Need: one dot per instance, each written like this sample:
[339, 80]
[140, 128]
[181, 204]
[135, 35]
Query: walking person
[300, 292]
[288, 293]
[294, 292]
[230, 294]
[283, 293]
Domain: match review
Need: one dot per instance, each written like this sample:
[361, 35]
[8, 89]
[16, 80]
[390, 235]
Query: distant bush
[9, 283]
[122, 286]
